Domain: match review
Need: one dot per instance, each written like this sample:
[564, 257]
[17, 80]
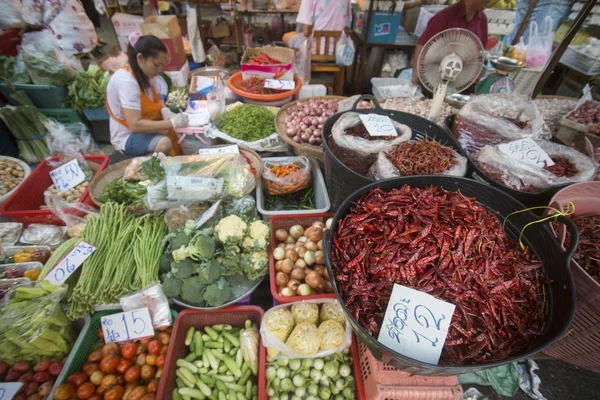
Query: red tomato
[129, 350]
[85, 391]
[152, 386]
[123, 365]
[140, 360]
[21, 366]
[109, 381]
[109, 364]
[149, 396]
[41, 377]
[100, 333]
[42, 365]
[95, 397]
[77, 379]
[151, 359]
[144, 342]
[164, 338]
[95, 356]
[137, 393]
[154, 347]
[132, 374]
[160, 360]
[110, 349]
[64, 391]
[89, 368]
[116, 393]
[147, 372]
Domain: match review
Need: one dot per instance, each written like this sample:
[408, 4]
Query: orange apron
[150, 111]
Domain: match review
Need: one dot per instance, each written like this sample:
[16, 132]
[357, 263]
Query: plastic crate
[234, 315]
[384, 382]
[322, 203]
[286, 222]
[356, 373]
[580, 61]
[62, 115]
[23, 205]
[99, 121]
[42, 96]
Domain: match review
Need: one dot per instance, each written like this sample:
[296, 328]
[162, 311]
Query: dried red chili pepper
[562, 167]
[421, 157]
[587, 254]
[255, 85]
[451, 247]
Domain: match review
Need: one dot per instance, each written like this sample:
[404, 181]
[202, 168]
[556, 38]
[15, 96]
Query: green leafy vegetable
[301, 200]
[153, 170]
[88, 89]
[247, 122]
[124, 192]
[218, 292]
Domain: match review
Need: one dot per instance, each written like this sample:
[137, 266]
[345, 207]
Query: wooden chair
[323, 60]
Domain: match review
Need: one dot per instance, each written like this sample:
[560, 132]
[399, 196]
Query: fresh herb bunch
[301, 200]
[153, 170]
[88, 89]
[121, 191]
[247, 122]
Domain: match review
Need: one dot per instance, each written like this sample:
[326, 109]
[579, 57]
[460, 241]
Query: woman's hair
[147, 46]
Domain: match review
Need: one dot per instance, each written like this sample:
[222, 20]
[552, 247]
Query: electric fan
[454, 58]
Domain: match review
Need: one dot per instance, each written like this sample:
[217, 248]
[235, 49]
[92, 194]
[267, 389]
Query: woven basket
[300, 149]
[116, 171]
[581, 344]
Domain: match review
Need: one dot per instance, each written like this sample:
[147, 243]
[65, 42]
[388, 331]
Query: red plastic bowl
[237, 77]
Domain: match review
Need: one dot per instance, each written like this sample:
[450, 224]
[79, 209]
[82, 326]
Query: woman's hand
[166, 113]
[180, 121]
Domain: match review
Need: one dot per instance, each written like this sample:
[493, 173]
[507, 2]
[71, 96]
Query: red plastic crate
[286, 222]
[384, 382]
[360, 389]
[23, 205]
[233, 315]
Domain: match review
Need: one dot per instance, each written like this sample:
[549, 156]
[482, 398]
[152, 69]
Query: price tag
[67, 176]
[203, 82]
[378, 125]
[278, 84]
[128, 325]
[211, 151]
[69, 263]
[8, 390]
[208, 214]
[528, 151]
[416, 324]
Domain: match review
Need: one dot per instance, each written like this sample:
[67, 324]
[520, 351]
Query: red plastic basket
[286, 222]
[581, 344]
[384, 382]
[23, 206]
[360, 389]
[234, 315]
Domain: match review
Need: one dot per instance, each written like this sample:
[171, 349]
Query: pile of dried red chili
[587, 254]
[451, 247]
[263, 59]
[562, 167]
[255, 85]
[421, 157]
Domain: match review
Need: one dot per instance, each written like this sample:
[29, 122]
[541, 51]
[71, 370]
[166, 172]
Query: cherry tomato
[154, 347]
[95, 397]
[21, 366]
[89, 368]
[137, 393]
[129, 350]
[164, 349]
[140, 360]
[86, 391]
[96, 377]
[77, 379]
[64, 391]
[123, 365]
[149, 396]
[3, 367]
[116, 393]
[144, 342]
[100, 333]
[109, 381]
[152, 386]
[147, 372]
[164, 338]
[132, 373]
[110, 349]
[160, 360]
[101, 390]
[120, 380]
[151, 359]
[42, 365]
[109, 364]
[95, 356]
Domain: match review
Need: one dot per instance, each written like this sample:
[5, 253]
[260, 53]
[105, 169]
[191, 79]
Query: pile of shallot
[305, 121]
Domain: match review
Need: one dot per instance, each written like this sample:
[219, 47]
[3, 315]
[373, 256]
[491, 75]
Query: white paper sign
[69, 263]
[378, 125]
[528, 151]
[208, 214]
[416, 324]
[67, 176]
[203, 82]
[278, 84]
[128, 325]
[211, 151]
[8, 390]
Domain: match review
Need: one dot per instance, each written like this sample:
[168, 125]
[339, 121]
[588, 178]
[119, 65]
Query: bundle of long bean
[126, 257]
[27, 125]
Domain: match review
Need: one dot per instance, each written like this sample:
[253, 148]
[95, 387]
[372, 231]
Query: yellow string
[570, 210]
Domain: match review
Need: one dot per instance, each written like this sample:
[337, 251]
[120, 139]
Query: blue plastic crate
[99, 122]
[42, 96]
[383, 27]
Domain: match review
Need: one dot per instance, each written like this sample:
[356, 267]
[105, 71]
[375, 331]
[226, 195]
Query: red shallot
[305, 121]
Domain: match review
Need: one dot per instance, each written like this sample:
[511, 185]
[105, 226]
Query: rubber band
[557, 213]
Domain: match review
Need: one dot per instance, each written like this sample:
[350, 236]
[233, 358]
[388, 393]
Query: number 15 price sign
[127, 325]
[8, 390]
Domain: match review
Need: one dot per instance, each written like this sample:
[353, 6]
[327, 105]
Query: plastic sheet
[302, 59]
[70, 140]
[528, 177]
[176, 217]
[74, 215]
[243, 207]
[39, 234]
[293, 181]
[154, 299]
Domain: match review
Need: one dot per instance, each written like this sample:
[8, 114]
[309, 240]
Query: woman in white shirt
[137, 113]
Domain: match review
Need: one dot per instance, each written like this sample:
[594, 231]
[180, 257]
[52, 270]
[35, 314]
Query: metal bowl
[221, 72]
[506, 64]
[241, 287]
[457, 100]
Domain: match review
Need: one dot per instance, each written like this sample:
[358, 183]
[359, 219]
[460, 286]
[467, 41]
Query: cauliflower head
[255, 264]
[230, 230]
[258, 236]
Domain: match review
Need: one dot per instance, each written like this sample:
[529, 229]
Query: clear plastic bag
[527, 177]
[243, 207]
[11, 13]
[539, 47]
[19, 74]
[69, 140]
[344, 51]
[491, 119]
[215, 55]
[154, 299]
[288, 175]
[302, 59]
[277, 347]
[208, 177]
[176, 217]
[49, 235]
[46, 63]
[74, 215]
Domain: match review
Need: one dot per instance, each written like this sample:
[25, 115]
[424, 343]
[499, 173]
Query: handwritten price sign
[528, 151]
[8, 390]
[67, 176]
[416, 324]
[378, 125]
[212, 151]
[127, 325]
[281, 85]
[66, 266]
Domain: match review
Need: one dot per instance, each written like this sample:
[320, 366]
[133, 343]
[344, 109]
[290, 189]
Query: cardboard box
[180, 78]
[166, 28]
[220, 31]
[282, 71]
[125, 25]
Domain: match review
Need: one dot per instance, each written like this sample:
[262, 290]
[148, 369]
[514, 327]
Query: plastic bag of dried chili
[570, 166]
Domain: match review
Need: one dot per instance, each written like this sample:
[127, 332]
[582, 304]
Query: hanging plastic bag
[198, 53]
[215, 55]
[154, 299]
[302, 59]
[344, 51]
[288, 175]
[539, 47]
[11, 13]
[69, 140]
[74, 215]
